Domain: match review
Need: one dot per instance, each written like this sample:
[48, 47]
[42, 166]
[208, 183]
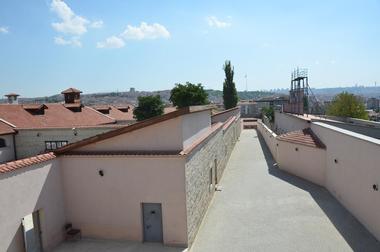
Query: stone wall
[31, 142]
[212, 155]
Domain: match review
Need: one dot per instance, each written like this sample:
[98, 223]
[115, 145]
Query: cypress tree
[230, 97]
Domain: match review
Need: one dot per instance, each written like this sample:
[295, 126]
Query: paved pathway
[92, 245]
[261, 208]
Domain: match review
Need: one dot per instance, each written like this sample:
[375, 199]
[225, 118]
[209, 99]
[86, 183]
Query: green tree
[347, 105]
[188, 95]
[148, 106]
[269, 113]
[230, 97]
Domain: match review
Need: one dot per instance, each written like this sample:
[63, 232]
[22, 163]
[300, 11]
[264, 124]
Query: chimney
[12, 98]
[72, 95]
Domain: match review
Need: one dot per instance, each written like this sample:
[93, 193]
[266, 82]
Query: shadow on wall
[44, 194]
[355, 234]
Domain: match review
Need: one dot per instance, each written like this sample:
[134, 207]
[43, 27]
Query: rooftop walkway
[262, 208]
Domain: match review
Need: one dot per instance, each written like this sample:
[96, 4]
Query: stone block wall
[31, 142]
[212, 155]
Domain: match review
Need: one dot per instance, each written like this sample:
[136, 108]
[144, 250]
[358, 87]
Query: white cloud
[97, 24]
[71, 23]
[215, 22]
[111, 42]
[4, 29]
[74, 41]
[145, 31]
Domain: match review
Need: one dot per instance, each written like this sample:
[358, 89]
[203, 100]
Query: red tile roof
[14, 165]
[34, 106]
[101, 107]
[55, 115]
[114, 111]
[304, 137]
[12, 94]
[6, 129]
[71, 90]
[119, 115]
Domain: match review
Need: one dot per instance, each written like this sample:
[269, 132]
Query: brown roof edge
[11, 94]
[129, 128]
[71, 90]
[300, 137]
[225, 111]
[17, 164]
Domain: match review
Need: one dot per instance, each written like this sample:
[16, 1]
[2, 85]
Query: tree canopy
[269, 113]
[188, 95]
[230, 97]
[148, 106]
[347, 105]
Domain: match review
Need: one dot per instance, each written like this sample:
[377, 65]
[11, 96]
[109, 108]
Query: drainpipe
[14, 145]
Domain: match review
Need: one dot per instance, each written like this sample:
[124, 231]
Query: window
[52, 145]
[2, 143]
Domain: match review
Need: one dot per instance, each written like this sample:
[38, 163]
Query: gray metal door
[152, 221]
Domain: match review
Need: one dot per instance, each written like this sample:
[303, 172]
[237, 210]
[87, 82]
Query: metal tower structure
[299, 91]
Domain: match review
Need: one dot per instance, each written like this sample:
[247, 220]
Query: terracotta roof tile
[304, 137]
[55, 115]
[14, 165]
[33, 106]
[115, 111]
[101, 107]
[71, 90]
[12, 94]
[5, 129]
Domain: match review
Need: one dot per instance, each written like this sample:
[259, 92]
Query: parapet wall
[269, 137]
[353, 172]
[348, 168]
[284, 122]
[225, 115]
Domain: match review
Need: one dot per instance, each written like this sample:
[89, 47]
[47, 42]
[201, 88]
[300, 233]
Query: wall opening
[32, 232]
[2, 143]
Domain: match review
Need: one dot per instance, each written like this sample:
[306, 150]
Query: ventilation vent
[35, 109]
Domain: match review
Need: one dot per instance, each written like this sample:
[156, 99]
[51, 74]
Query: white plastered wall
[23, 191]
[352, 168]
[109, 206]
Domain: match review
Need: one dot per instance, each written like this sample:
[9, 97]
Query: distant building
[248, 108]
[373, 103]
[253, 108]
[132, 90]
[31, 129]
[12, 98]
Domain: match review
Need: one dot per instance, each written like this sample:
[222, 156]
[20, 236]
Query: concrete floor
[88, 245]
[262, 208]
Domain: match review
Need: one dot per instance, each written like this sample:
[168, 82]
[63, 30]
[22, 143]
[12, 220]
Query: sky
[100, 46]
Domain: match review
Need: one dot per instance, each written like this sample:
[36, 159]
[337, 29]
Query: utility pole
[246, 83]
